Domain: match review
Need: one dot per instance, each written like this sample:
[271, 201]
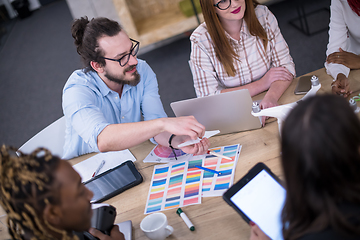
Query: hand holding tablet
[259, 197]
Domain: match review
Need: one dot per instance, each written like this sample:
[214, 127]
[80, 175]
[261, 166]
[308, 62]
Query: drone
[281, 112]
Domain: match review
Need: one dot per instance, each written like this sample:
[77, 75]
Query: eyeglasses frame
[217, 5]
[137, 45]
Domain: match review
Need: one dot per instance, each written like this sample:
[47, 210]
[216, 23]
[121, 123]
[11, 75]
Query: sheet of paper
[175, 185]
[161, 154]
[87, 167]
[213, 184]
[179, 184]
[207, 134]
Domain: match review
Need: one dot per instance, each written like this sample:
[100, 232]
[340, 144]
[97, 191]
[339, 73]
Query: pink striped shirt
[208, 73]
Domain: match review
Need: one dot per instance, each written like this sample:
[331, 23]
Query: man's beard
[120, 80]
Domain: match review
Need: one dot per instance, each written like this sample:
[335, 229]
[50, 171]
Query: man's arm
[152, 109]
[125, 135]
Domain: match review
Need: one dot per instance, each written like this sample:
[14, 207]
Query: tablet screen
[262, 200]
[111, 182]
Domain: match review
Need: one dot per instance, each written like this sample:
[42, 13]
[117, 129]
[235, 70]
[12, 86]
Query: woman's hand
[267, 102]
[276, 74]
[257, 233]
[347, 59]
[341, 86]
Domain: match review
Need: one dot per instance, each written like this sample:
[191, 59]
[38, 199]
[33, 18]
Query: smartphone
[303, 85]
[114, 181]
[259, 197]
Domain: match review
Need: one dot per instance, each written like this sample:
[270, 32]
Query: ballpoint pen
[208, 169]
[218, 155]
[99, 168]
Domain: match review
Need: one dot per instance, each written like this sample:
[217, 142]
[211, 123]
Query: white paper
[208, 134]
[161, 154]
[87, 167]
[99, 205]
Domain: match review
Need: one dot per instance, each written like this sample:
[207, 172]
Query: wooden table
[213, 218]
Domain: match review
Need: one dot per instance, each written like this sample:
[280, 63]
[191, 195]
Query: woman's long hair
[321, 163]
[223, 50]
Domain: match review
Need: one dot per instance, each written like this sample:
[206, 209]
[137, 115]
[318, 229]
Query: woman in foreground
[321, 162]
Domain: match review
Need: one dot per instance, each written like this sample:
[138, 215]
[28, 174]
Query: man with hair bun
[103, 102]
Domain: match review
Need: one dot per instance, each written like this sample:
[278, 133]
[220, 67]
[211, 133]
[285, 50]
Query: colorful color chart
[163, 154]
[175, 185]
[216, 185]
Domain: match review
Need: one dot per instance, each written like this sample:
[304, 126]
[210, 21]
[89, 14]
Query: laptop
[228, 112]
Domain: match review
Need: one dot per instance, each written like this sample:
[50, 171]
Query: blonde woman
[240, 46]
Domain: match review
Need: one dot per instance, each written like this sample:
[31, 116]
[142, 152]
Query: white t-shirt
[344, 33]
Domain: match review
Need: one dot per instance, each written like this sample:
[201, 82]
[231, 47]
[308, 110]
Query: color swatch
[214, 184]
[175, 185]
[163, 154]
[180, 183]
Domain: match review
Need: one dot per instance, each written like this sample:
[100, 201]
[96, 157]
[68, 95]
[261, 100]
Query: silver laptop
[228, 112]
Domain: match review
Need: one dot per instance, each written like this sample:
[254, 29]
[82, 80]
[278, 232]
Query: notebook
[228, 112]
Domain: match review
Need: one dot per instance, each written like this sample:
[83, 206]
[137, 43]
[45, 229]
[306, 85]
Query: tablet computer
[259, 197]
[114, 181]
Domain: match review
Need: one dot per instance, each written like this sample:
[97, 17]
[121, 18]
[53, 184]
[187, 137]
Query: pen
[208, 169]
[186, 219]
[99, 168]
[219, 155]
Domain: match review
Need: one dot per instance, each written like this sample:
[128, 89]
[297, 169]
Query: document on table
[213, 184]
[175, 185]
[162, 154]
[181, 183]
[87, 167]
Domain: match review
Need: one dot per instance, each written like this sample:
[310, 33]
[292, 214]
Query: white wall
[93, 8]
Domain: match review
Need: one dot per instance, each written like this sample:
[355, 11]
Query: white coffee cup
[155, 226]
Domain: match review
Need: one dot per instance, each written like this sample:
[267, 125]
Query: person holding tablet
[343, 49]
[44, 198]
[240, 46]
[321, 163]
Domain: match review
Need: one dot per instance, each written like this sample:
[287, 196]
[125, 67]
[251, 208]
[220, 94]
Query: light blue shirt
[89, 106]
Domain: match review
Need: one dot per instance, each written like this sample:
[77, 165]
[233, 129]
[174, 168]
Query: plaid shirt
[208, 73]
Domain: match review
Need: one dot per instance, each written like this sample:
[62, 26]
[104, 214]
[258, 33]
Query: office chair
[52, 137]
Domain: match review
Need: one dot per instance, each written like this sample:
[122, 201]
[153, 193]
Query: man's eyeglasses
[125, 59]
[223, 4]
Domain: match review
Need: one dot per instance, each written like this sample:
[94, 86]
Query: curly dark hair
[27, 185]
